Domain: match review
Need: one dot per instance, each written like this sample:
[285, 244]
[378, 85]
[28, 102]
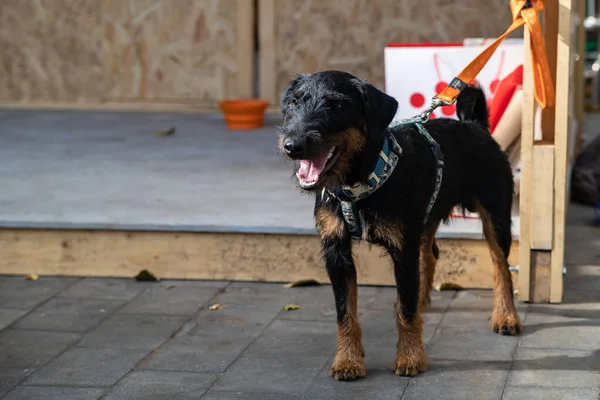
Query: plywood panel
[90, 52]
[313, 35]
[218, 256]
[50, 50]
[164, 50]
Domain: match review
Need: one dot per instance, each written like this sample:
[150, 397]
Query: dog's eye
[295, 103]
[334, 105]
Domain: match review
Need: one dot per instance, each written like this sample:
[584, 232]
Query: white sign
[414, 74]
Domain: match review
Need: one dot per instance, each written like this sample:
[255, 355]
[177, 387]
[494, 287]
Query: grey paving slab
[472, 344]
[21, 294]
[219, 395]
[10, 377]
[272, 373]
[256, 294]
[65, 314]
[169, 300]
[159, 385]
[447, 380]
[87, 367]
[284, 359]
[206, 353]
[32, 349]
[107, 288]
[234, 320]
[556, 368]
[380, 384]
[7, 317]
[132, 332]
[542, 393]
[54, 393]
[555, 331]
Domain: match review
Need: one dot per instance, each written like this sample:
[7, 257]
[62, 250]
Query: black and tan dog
[334, 128]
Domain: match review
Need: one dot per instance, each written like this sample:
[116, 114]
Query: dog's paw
[410, 365]
[506, 324]
[348, 370]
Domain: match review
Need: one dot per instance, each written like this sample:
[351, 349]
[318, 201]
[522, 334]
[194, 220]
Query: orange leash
[524, 12]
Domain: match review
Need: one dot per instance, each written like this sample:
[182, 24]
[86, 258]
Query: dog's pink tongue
[311, 169]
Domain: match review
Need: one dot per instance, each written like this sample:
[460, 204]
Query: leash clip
[435, 103]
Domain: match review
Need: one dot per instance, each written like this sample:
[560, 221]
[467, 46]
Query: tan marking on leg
[329, 224]
[410, 354]
[505, 319]
[349, 364]
[427, 264]
[392, 234]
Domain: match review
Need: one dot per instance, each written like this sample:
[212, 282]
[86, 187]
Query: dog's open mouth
[311, 171]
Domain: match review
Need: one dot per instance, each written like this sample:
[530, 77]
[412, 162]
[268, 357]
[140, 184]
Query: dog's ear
[380, 109]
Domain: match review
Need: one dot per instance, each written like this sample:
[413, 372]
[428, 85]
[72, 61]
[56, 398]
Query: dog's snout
[294, 147]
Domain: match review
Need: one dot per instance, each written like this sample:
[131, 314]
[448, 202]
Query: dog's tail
[471, 105]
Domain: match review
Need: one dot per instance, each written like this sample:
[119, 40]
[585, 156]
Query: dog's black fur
[335, 109]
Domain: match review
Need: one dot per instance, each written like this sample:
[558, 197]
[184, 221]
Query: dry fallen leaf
[102, 310]
[448, 286]
[291, 307]
[168, 132]
[303, 282]
[215, 307]
[32, 277]
[170, 287]
[146, 276]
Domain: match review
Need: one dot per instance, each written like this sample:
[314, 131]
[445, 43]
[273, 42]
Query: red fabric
[504, 93]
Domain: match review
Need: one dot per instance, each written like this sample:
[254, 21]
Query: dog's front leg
[348, 364]
[410, 354]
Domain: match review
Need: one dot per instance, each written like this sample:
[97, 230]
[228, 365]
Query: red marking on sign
[449, 111]
[494, 85]
[432, 116]
[417, 100]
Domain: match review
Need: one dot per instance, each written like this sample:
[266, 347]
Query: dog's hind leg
[429, 254]
[497, 230]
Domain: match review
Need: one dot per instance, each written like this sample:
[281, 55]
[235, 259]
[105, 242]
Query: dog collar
[349, 194]
[386, 162]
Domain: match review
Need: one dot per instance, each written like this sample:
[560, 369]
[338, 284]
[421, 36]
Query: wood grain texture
[134, 51]
[255, 257]
[525, 203]
[161, 50]
[313, 35]
[51, 50]
[542, 197]
[563, 133]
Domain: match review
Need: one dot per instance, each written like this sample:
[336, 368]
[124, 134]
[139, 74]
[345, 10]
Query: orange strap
[543, 87]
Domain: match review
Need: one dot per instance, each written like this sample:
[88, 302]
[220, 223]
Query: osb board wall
[311, 35]
[135, 51]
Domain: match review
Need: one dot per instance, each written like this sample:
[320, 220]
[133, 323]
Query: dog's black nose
[294, 147]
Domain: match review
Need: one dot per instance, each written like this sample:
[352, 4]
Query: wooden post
[544, 164]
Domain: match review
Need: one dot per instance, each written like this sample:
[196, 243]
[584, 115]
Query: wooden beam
[230, 256]
[266, 39]
[245, 48]
[542, 197]
[550, 34]
[540, 276]
[527, 136]
[561, 144]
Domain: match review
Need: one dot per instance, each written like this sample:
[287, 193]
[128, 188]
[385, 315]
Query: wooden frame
[545, 162]
[230, 256]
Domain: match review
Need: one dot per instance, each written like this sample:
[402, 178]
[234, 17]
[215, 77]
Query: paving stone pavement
[90, 338]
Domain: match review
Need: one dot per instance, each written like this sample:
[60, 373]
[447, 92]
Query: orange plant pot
[244, 113]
